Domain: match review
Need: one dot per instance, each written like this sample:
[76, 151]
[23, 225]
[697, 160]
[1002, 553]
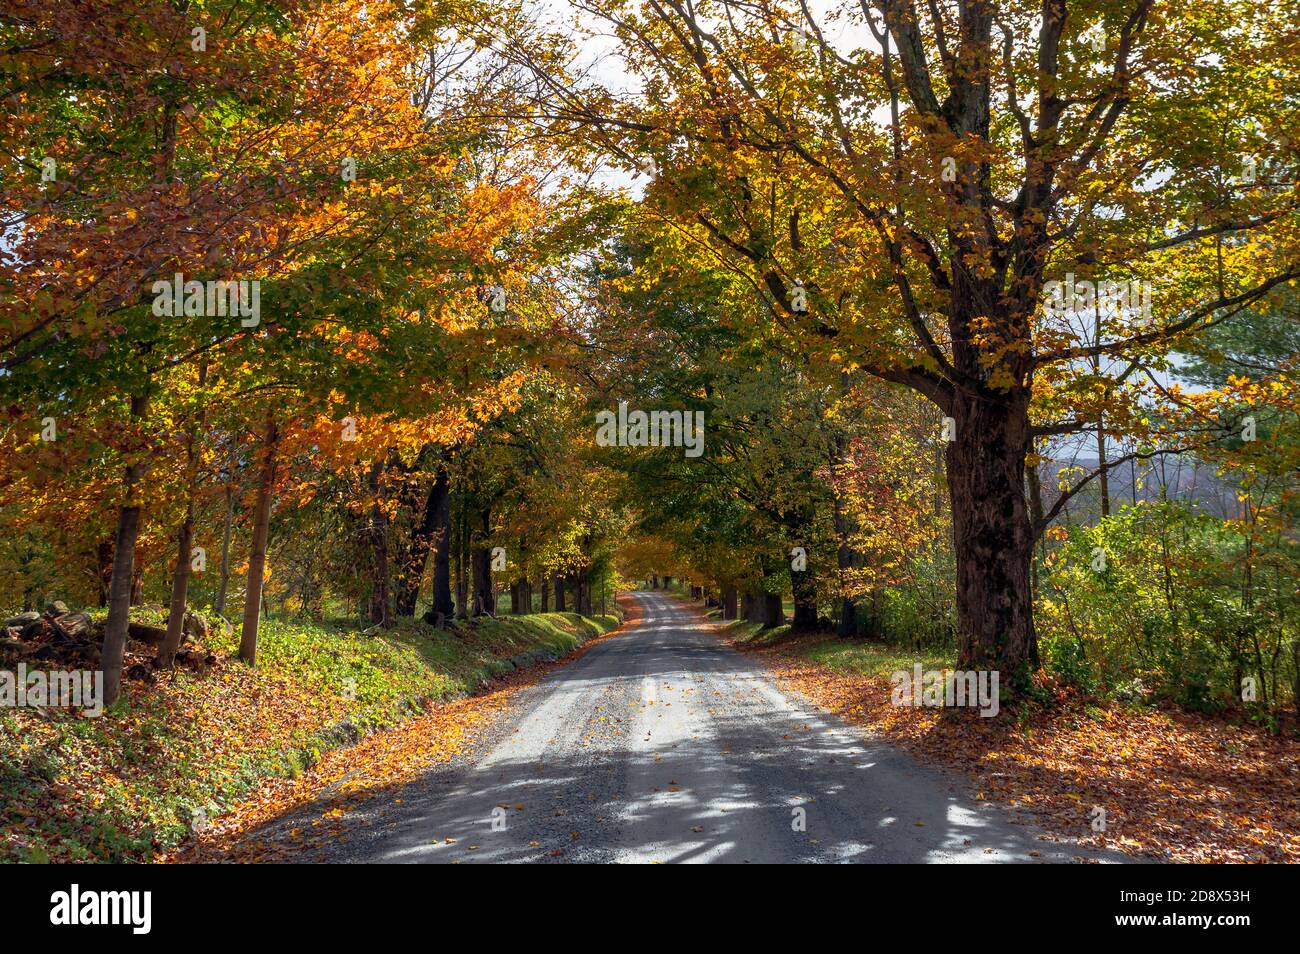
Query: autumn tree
[290, 148]
[900, 183]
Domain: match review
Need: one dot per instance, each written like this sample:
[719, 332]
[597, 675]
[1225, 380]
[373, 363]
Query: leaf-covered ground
[137, 781]
[318, 803]
[1175, 786]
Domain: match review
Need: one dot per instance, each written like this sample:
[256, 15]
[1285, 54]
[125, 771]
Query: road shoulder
[1171, 786]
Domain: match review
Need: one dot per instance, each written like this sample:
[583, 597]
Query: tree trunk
[442, 602]
[728, 602]
[844, 560]
[848, 625]
[462, 563]
[481, 561]
[484, 598]
[184, 541]
[432, 528]
[582, 593]
[119, 599]
[546, 596]
[219, 607]
[773, 611]
[805, 600]
[119, 593]
[1103, 472]
[559, 594]
[654, 582]
[104, 561]
[1035, 489]
[180, 587]
[257, 554]
[1103, 469]
[992, 536]
[873, 627]
[378, 555]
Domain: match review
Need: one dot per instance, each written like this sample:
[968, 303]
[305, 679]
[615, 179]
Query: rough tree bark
[180, 587]
[484, 598]
[992, 534]
[805, 600]
[378, 532]
[462, 562]
[728, 602]
[432, 527]
[120, 586]
[257, 555]
[773, 613]
[582, 593]
[481, 561]
[184, 542]
[764, 608]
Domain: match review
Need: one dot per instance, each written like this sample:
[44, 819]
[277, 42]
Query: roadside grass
[136, 780]
[839, 655]
[870, 659]
[754, 636]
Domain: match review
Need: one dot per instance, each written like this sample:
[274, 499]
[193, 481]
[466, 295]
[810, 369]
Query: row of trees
[897, 187]
[1175, 579]
[358, 276]
[848, 251]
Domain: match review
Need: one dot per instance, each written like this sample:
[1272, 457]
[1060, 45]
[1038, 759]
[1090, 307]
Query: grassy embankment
[129, 783]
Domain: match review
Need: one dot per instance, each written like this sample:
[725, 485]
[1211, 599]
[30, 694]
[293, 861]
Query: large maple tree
[900, 183]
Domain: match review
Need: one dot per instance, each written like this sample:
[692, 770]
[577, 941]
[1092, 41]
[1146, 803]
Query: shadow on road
[664, 745]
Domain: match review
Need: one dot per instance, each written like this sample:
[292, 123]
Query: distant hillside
[1182, 477]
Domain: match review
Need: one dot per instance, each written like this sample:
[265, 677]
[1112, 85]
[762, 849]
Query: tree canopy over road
[967, 328]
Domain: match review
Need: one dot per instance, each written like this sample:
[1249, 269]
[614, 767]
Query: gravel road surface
[662, 744]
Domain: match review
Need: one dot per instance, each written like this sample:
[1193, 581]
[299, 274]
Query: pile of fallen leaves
[340, 781]
[120, 787]
[1173, 785]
